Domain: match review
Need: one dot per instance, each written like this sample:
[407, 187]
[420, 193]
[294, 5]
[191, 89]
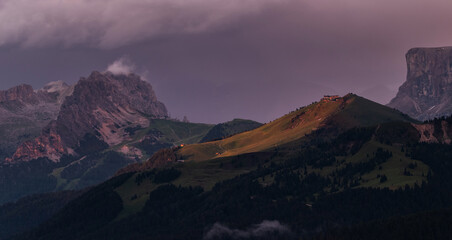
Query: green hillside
[97, 166]
[280, 135]
[330, 164]
[98, 161]
[344, 113]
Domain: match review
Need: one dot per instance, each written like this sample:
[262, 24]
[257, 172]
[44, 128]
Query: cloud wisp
[265, 230]
[121, 66]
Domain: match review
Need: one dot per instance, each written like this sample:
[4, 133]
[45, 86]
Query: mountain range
[319, 169]
[70, 137]
[102, 159]
[101, 107]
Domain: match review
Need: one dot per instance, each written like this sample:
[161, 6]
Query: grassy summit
[205, 164]
[344, 113]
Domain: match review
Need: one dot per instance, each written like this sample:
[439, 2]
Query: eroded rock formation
[427, 92]
[102, 105]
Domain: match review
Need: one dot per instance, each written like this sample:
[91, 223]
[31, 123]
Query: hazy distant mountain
[427, 92]
[24, 112]
[336, 163]
[230, 128]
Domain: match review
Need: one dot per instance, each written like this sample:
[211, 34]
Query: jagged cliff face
[22, 93]
[439, 131]
[106, 103]
[427, 92]
[102, 105]
[24, 112]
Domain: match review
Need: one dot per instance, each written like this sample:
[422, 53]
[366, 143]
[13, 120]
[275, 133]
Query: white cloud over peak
[121, 66]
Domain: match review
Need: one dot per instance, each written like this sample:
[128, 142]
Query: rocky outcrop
[438, 131]
[48, 144]
[427, 92]
[102, 105]
[58, 88]
[22, 93]
[24, 112]
[161, 158]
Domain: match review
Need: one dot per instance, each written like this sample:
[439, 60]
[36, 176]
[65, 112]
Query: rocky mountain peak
[102, 106]
[427, 92]
[23, 92]
[56, 86]
[24, 112]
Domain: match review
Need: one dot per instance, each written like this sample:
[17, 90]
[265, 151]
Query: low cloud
[265, 230]
[121, 66]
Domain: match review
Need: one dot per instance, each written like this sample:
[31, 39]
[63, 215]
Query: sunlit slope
[258, 145]
[285, 129]
[345, 112]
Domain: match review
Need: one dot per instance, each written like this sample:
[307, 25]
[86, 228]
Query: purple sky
[215, 60]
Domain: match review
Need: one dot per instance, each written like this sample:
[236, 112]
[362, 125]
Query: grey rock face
[102, 105]
[24, 112]
[427, 92]
[105, 103]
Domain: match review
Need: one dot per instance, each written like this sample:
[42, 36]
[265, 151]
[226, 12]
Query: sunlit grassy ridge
[204, 162]
[349, 111]
[288, 128]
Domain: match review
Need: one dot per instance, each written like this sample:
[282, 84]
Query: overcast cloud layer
[114, 23]
[213, 60]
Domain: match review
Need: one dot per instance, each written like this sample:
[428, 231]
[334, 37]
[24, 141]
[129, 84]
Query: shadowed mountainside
[30, 211]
